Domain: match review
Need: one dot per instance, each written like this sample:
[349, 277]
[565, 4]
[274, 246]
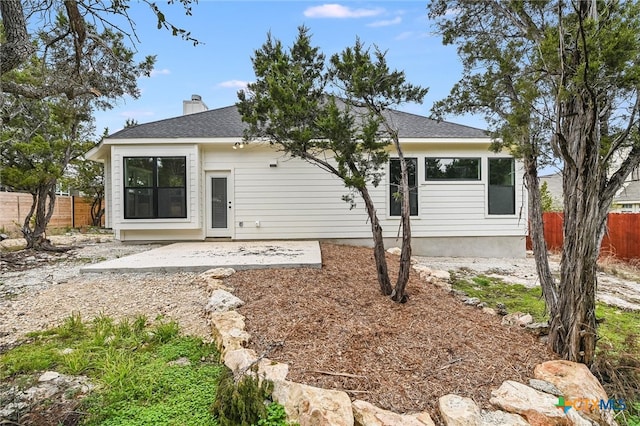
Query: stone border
[312, 406]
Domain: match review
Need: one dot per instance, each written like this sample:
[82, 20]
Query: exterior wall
[108, 194]
[128, 229]
[296, 200]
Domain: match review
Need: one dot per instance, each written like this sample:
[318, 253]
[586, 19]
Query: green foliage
[131, 362]
[241, 402]
[316, 111]
[276, 416]
[549, 204]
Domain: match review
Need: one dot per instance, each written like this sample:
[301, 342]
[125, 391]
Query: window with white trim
[155, 187]
[502, 186]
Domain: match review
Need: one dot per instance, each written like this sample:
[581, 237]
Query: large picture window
[395, 191]
[155, 187]
[442, 168]
[502, 186]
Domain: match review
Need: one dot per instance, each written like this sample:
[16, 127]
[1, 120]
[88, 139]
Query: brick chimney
[194, 105]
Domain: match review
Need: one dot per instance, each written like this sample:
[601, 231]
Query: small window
[395, 192]
[441, 168]
[155, 187]
[502, 186]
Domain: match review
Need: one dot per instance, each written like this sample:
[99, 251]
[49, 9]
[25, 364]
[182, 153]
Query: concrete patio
[201, 256]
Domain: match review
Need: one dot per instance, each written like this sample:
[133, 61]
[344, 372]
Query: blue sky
[232, 30]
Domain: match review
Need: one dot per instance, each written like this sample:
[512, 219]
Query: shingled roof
[226, 122]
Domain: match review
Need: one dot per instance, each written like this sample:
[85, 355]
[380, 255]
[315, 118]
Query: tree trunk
[18, 47]
[405, 254]
[536, 232]
[378, 244]
[573, 332]
[43, 204]
[97, 211]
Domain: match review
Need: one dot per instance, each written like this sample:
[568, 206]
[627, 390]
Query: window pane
[138, 203]
[171, 172]
[395, 203]
[171, 202]
[452, 168]
[502, 192]
[138, 172]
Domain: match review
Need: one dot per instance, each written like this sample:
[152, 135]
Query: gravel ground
[39, 290]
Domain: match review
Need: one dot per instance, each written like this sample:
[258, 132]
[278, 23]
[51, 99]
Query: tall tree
[564, 73]
[41, 132]
[36, 145]
[346, 133]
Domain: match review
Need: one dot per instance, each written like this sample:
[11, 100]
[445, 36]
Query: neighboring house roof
[226, 122]
[629, 194]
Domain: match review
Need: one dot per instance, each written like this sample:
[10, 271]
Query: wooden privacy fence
[622, 237]
[69, 211]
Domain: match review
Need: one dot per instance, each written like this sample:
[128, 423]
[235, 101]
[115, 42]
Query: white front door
[219, 201]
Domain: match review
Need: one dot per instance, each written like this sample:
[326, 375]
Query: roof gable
[226, 122]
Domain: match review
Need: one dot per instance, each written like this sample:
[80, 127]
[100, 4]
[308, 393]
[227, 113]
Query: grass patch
[493, 291]
[133, 364]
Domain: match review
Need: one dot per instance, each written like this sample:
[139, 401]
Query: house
[192, 178]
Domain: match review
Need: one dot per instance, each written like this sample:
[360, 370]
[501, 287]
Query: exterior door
[219, 204]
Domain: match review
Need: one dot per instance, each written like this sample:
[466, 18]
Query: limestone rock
[239, 359]
[311, 406]
[272, 370]
[366, 414]
[472, 301]
[394, 250]
[502, 418]
[538, 328]
[217, 273]
[536, 407]
[48, 376]
[459, 411]
[576, 382]
[228, 331]
[517, 318]
[544, 386]
[441, 275]
[222, 301]
[489, 311]
[180, 362]
[423, 271]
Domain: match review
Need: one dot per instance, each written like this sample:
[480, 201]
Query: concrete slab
[201, 256]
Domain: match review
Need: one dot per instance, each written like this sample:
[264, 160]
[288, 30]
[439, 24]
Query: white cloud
[334, 10]
[387, 23]
[404, 35]
[234, 84]
[163, 71]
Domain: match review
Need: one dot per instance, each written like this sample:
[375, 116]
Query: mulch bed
[336, 331]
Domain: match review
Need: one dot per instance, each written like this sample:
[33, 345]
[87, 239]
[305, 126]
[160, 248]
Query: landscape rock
[471, 301]
[228, 331]
[48, 376]
[489, 311]
[366, 414]
[394, 250]
[311, 406]
[180, 362]
[459, 411]
[441, 275]
[217, 273]
[502, 418]
[538, 328]
[272, 370]
[222, 301]
[538, 408]
[576, 382]
[544, 386]
[239, 359]
[517, 318]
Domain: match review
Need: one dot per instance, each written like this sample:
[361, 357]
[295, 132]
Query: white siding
[299, 200]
